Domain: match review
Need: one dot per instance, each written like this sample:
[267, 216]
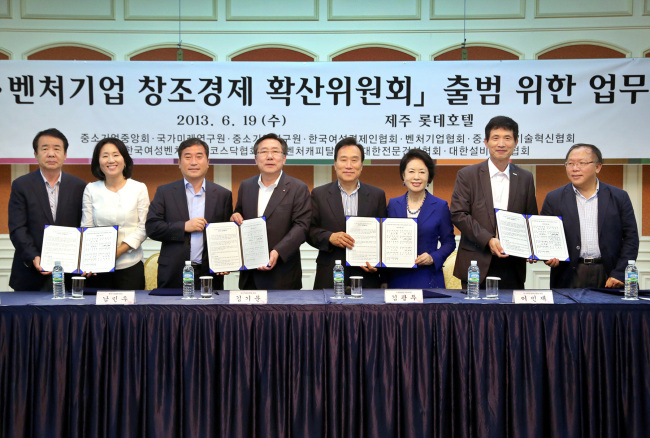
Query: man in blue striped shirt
[599, 224]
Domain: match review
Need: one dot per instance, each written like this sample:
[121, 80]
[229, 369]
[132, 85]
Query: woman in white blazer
[116, 199]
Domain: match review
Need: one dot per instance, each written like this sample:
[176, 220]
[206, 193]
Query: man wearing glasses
[599, 224]
[285, 203]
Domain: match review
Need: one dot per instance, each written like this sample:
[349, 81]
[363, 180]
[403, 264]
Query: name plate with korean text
[403, 296]
[105, 298]
[532, 297]
[248, 297]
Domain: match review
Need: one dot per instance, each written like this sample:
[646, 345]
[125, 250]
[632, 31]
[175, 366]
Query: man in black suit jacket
[602, 235]
[284, 201]
[474, 200]
[327, 231]
[46, 196]
[179, 213]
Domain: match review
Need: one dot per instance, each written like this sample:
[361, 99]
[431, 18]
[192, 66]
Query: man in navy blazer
[179, 213]
[46, 196]
[331, 203]
[599, 224]
[479, 189]
[284, 201]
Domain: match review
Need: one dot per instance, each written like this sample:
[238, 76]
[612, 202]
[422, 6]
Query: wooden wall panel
[645, 209]
[169, 54]
[68, 53]
[477, 53]
[269, 54]
[154, 175]
[374, 54]
[582, 51]
[5, 190]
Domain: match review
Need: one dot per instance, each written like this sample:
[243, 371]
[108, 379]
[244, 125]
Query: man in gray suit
[479, 189]
[284, 201]
[331, 203]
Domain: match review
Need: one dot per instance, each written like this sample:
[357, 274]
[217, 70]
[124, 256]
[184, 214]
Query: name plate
[403, 296]
[248, 297]
[532, 297]
[115, 297]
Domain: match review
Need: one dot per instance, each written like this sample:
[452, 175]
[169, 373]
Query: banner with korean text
[441, 107]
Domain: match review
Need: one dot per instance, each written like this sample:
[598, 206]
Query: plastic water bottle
[188, 281]
[339, 280]
[58, 286]
[631, 281]
[473, 279]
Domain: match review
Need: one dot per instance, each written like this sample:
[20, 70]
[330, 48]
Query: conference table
[307, 365]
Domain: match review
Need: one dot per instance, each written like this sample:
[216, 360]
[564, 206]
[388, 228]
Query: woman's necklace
[419, 208]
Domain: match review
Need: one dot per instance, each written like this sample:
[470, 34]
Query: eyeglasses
[579, 165]
[274, 154]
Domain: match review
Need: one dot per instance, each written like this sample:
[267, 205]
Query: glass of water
[356, 290]
[206, 287]
[492, 288]
[78, 288]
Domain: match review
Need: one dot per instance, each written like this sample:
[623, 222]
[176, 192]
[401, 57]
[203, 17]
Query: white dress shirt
[500, 183]
[264, 195]
[127, 208]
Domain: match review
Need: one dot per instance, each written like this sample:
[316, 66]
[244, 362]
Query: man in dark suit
[331, 203]
[599, 224]
[179, 213]
[46, 196]
[284, 201]
[479, 189]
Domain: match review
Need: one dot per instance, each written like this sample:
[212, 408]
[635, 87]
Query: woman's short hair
[419, 154]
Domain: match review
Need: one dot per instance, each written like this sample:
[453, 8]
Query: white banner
[441, 107]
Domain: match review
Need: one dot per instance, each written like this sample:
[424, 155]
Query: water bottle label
[57, 276]
[188, 276]
[632, 277]
[473, 277]
[338, 276]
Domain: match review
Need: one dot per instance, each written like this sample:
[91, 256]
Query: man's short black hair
[503, 122]
[419, 154]
[52, 132]
[128, 162]
[348, 141]
[193, 142]
[283, 143]
[594, 150]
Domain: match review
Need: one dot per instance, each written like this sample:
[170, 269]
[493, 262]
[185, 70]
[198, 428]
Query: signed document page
[255, 243]
[61, 244]
[513, 233]
[224, 248]
[399, 238]
[549, 241]
[365, 232]
[98, 248]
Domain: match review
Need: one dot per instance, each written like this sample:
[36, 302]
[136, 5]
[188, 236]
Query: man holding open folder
[331, 203]
[479, 189]
[47, 196]
[179, 213]
[598, 221]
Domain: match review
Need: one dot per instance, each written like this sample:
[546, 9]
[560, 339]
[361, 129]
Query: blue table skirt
[168, 368]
